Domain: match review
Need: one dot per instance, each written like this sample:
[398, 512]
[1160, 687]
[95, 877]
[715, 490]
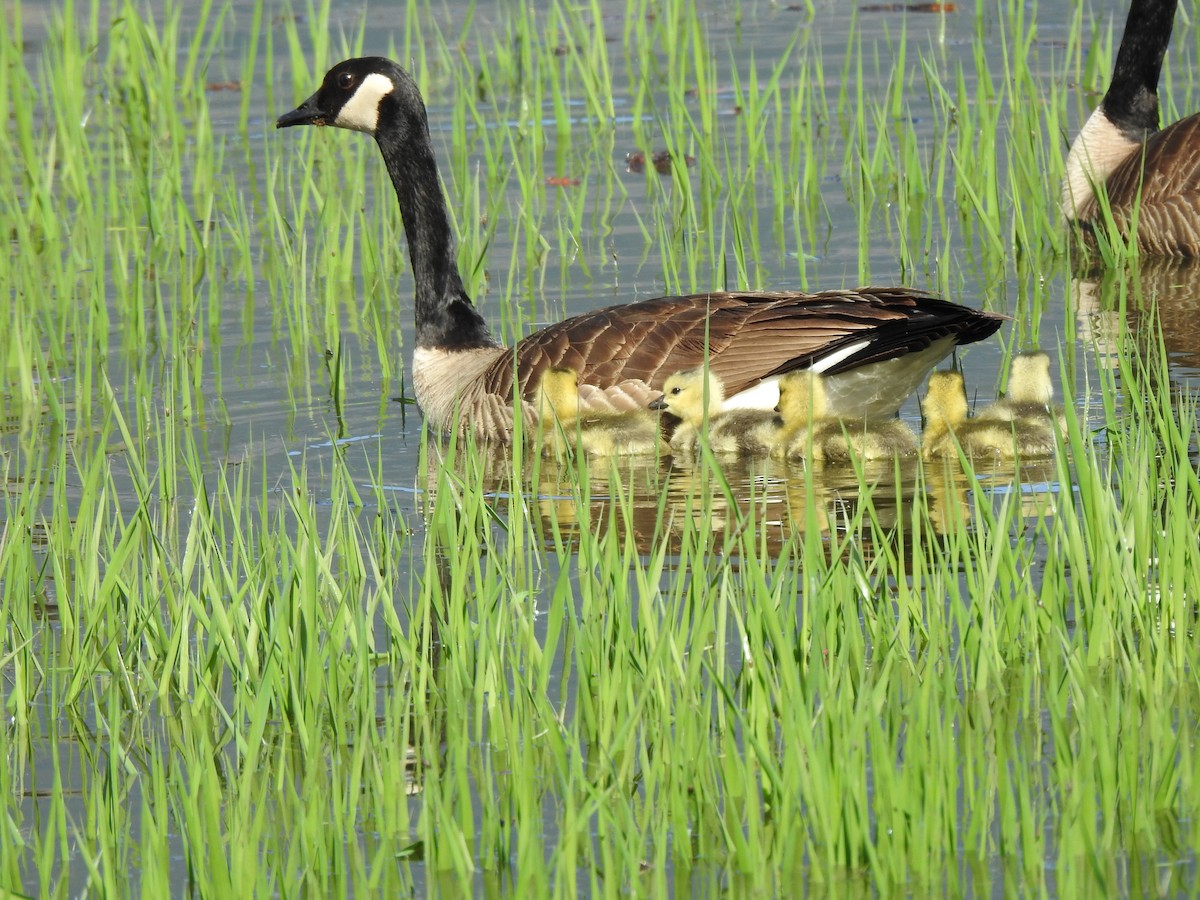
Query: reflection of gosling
[597, 435]
[808, 431]
[697, 397]
[947, 427]
[1030, 395]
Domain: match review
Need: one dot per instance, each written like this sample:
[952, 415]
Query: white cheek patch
[361, 112]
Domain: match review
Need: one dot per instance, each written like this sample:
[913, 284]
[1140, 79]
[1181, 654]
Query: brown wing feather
[1162, 185]
[746, 336]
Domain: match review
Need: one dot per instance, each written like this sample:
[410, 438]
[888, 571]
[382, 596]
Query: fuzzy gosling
[809, 432]
[697, 398]
[614, 434]
[1030, 395]
[947, 427]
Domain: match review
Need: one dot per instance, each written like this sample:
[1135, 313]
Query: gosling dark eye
[345, 80]
[675, 391]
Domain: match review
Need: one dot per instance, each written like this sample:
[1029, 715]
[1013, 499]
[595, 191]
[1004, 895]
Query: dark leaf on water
[636, 162]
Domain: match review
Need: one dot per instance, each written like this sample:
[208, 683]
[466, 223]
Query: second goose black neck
[1131, 102]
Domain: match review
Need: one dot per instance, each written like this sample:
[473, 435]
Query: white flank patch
[1097, 150]
[825, 363]
[361, 112]
[877, 390]
[764, 395]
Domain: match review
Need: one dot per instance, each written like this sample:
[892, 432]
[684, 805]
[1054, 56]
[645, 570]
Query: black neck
[1132, 99]
[445, 316]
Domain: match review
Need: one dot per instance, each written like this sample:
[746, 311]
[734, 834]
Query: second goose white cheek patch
[361, 112]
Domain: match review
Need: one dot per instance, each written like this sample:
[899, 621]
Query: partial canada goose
[1152, 173]
[623, 353]
[947, 427]
[809, 432]
[697, 398]
[609, 434]
[1030, 395]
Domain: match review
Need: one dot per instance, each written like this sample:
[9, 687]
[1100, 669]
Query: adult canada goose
[810, 432]
[697, 398]
[611, 434]
[1030, 395]
[1143, 170]
[947, 427]
[623, 354]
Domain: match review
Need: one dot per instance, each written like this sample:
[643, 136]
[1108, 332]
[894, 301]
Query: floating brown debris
[636, 162]
[223, 86]
[564, 49]
[562, 181]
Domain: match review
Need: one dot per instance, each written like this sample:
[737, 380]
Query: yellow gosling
[808, 431]
[945, 410]
[947, 427]
[1030, 395]
[615, 434]
[697, 398]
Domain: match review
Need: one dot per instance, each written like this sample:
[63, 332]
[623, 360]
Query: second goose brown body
[1149, 178]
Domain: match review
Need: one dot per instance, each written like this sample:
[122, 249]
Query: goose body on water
[608, 434]
[1149, 177]
[875, 344]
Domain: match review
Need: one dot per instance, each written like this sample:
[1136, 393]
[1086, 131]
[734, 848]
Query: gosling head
[945, 401]
[558, 395]
[1030, 381]
[361, 94]
[691, 395]
[802, 397]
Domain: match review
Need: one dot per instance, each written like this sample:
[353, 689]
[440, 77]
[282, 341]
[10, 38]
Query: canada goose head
[802, 397]
[945, 402]
[691, 395]
[374, 95]
[1030, 381]
[360, 93]
[558, 395]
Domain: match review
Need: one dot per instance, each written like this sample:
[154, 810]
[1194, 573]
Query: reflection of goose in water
[946, 500]
[857, 509]
[952, 492]
[1168, 290]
